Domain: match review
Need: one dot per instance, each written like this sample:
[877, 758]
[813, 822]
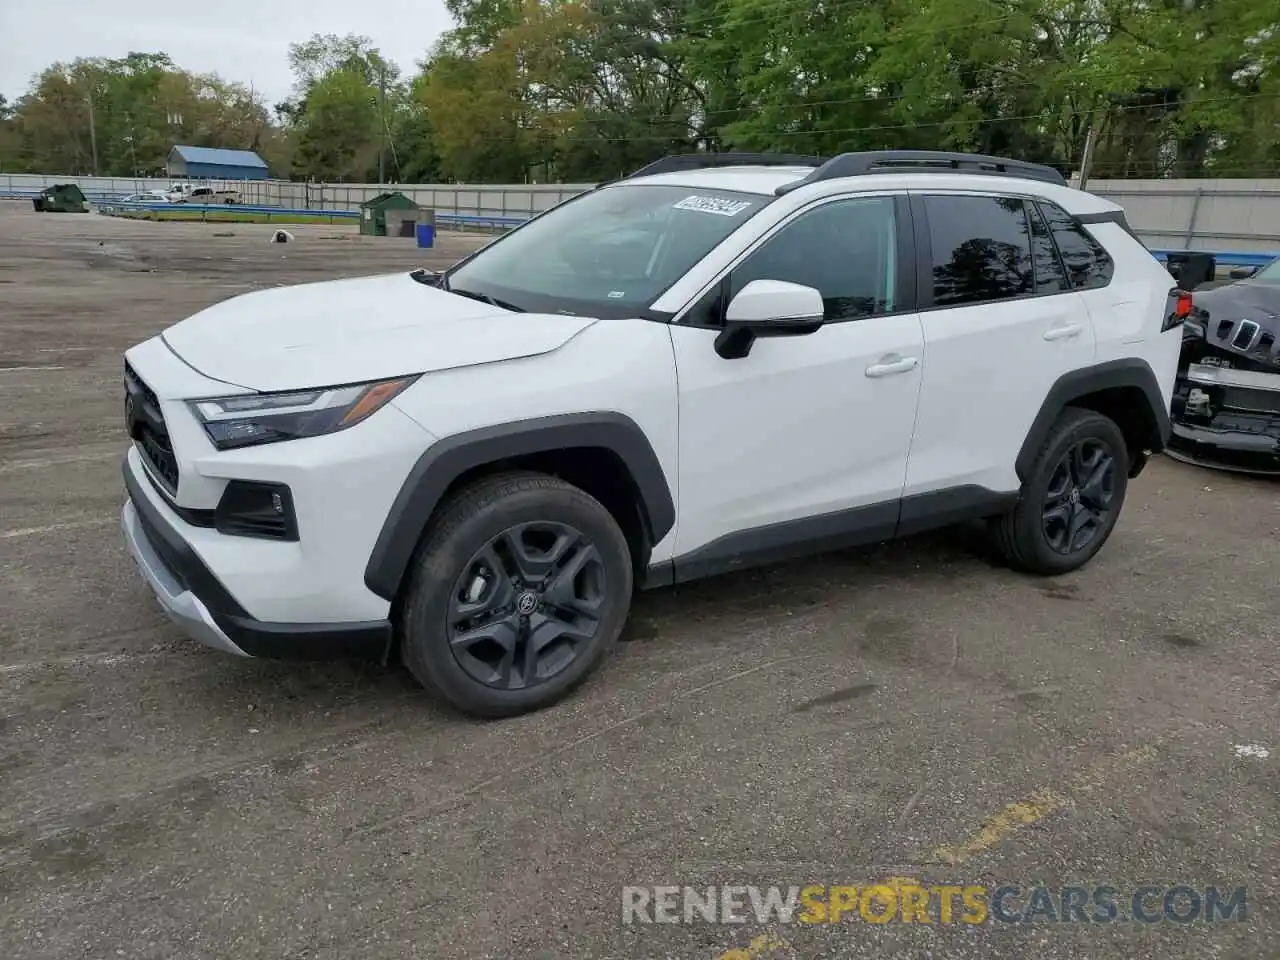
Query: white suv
[720, 361]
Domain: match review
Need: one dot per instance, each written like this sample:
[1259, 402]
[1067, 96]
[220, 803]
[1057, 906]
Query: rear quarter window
[1088, 264]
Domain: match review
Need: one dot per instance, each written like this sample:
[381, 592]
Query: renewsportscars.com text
[941, 904]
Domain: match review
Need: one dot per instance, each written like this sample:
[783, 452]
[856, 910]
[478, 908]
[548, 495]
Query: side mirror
[768, 308]
[1242, 273]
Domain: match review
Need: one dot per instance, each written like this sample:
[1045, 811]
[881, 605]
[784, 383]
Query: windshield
[607, 253]
[1269, 274]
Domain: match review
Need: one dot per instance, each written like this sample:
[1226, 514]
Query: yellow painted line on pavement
[998, 826]
[767, 946]
[54, 528]
[1040, 804]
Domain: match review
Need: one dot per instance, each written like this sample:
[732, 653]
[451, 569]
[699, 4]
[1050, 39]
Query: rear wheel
[1072, 499]
[518, 594]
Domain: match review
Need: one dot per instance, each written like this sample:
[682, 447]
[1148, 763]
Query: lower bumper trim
[196, 601]
[180, 604]
[1225, 449]
[311, 641]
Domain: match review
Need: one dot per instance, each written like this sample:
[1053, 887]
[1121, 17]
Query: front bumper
[1228, 419]
[182, 606]
[198, 602]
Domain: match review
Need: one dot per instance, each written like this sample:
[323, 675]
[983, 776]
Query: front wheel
[1072, 499]
[517, 595]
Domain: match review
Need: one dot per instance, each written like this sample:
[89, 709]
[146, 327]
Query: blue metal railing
[1226, 258]
[93, 196]
[121, 206]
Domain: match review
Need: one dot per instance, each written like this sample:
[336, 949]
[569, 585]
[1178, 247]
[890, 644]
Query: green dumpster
[373, 213]
[61, 198]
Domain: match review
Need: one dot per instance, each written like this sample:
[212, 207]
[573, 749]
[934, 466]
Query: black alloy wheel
[519, 591]
[1079, 498]
[527, 604]
[1071, 499]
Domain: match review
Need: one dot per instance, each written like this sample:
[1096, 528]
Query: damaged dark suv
[1226, 405]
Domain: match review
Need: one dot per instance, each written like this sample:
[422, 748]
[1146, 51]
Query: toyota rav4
[717, 362]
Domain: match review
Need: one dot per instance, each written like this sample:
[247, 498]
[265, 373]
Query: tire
[473, 533]
[1026, 537]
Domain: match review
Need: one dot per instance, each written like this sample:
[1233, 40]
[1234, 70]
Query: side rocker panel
[1131, 372]
[452, 456]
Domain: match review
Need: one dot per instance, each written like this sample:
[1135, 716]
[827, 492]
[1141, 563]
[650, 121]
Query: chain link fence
[1212, 215]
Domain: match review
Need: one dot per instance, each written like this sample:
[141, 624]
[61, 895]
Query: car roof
[749, 179]
[764, 180]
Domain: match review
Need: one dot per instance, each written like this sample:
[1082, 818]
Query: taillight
[1177, 309]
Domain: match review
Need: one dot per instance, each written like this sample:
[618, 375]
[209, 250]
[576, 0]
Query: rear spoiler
[1107, 216]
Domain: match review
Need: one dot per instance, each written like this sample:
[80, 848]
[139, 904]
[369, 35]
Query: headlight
[255, 418]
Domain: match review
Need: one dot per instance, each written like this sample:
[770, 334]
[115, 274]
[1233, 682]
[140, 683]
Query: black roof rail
[702, 161]
[925, 161]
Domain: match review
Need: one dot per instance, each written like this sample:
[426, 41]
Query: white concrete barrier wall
[1224, 215]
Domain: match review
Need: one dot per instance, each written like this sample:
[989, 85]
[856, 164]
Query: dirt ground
[905, 711]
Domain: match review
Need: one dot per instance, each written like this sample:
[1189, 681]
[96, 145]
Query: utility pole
[1086, 161]
[93, 131]
[133, 150]
[382, 124]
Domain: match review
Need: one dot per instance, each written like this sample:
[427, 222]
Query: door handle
[890, 367]
[1064, 332]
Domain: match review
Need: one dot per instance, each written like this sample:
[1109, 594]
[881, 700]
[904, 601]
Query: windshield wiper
[441, 280]
[485, 298]
[430, 278]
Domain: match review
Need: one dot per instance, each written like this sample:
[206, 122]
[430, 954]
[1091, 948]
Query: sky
[244, 40]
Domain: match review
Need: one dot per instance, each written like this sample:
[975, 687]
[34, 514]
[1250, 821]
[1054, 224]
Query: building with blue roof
[211, 163]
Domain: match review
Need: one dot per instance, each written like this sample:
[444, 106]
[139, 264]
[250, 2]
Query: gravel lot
[904, 711]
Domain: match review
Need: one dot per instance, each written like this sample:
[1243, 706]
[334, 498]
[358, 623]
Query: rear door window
[981, 249]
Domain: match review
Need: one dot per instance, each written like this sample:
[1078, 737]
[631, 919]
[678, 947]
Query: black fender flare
[1128, 372]
[451, 456]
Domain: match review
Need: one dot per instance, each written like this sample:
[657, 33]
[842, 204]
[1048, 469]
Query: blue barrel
[426, 233]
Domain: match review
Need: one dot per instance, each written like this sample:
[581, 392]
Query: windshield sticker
[717, 205]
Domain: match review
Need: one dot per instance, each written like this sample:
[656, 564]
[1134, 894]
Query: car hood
[1241, 321]
[348, 331]
[1244, 300]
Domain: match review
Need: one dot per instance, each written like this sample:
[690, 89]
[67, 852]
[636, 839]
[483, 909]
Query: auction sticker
[717, 205]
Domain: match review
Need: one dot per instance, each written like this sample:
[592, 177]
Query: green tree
[338, 128]
[589, 89]
[121, 117]
[348, 100]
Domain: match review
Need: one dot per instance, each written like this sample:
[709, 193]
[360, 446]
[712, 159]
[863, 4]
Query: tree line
[586, 90]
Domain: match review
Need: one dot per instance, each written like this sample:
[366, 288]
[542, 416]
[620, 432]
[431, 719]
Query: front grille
[1246, 337]
[145, 424]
